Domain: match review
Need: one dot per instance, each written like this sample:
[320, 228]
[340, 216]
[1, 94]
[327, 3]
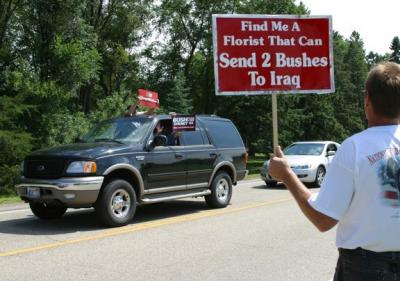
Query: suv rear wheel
[116, 205]
[46, 210]
[221, 191]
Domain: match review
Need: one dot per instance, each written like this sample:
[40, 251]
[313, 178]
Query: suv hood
[86, 150]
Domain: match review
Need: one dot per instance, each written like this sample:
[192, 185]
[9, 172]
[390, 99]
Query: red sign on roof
[148, 98]
[258, 54]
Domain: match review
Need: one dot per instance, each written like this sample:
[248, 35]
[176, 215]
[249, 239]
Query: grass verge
[252, 177]
[255, 163]
[9, 199]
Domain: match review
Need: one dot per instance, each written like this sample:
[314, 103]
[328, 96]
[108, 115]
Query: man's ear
[368, 107]
[367, 100]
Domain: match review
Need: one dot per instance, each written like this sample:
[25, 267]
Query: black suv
[127, 161]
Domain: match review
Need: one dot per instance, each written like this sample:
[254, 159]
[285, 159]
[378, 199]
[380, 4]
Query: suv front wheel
[221, 191]
[116, 205]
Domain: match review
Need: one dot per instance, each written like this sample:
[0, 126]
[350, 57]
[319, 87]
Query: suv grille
[44, 169]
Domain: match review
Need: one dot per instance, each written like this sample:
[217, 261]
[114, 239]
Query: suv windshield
[304, 149]
[123, 130]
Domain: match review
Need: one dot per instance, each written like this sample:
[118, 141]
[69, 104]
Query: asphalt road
[261, 236]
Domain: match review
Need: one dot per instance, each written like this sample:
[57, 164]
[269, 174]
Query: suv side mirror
[330, 153]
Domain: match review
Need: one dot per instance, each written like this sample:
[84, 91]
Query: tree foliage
[65, 65]
[178, 100]
[395, 47]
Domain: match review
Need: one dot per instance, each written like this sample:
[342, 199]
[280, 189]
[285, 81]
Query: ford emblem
[40, 168]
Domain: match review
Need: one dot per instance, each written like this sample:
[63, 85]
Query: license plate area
[33, 192]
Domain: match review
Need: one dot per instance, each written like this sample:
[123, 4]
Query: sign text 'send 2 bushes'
[254, 54]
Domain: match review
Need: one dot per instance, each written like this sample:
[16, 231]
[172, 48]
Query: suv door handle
[213, 154]
[178, 155]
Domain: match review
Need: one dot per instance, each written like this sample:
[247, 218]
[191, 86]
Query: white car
[309, 160]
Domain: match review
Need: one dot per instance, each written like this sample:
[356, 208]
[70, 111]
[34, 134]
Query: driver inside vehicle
[164, 129]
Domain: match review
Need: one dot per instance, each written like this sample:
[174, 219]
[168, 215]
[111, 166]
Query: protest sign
[258, 54]
[183, 123]
[148, 98]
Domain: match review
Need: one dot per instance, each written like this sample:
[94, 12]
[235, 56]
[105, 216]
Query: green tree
[357, 70]
[341, 99]
[120, 26]
[178, 99]
[373, 58]
[58, 62]
[7, 14]
[395, 47]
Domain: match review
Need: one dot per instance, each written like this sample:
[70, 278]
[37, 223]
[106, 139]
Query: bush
[9, 177]
[14, 147]
[255, 163]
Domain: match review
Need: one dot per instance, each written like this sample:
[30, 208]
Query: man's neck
[382, 122]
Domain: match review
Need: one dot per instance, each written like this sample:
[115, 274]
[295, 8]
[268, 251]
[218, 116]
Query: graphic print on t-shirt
[389, 176]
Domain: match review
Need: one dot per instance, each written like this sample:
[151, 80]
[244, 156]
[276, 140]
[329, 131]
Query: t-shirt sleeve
[337, 189]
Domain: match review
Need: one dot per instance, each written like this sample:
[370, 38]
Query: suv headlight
[82, 167]
[301, 167]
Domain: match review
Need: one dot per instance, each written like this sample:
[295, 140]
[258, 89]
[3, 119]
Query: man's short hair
[383, 88]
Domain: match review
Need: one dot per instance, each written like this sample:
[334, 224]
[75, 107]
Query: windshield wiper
[107, 140]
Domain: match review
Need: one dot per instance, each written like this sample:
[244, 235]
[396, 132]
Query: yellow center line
[143, 226]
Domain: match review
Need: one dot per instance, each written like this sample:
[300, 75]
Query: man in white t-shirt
[361, 190]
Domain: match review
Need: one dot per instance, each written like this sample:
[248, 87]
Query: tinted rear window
[192, 138]
[223, 133]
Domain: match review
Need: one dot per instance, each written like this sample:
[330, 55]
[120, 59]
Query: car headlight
[82, 167]
[301, 167]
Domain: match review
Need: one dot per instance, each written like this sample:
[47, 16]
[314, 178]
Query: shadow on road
[86, 219]
[279, 186]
